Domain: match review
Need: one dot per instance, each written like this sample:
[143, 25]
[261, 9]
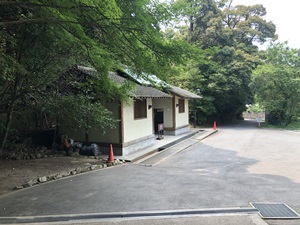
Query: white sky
[284, 14]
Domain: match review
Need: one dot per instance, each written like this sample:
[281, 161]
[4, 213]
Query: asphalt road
[239, 164]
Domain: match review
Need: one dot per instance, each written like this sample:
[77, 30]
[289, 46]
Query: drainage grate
[275, 211]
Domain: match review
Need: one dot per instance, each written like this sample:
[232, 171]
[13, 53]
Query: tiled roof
[154, 81]
[139, 91]
[183, 93]
[149, 92]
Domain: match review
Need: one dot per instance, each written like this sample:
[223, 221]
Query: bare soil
[18, 172]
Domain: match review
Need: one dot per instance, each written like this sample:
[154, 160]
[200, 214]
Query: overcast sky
[284, 14]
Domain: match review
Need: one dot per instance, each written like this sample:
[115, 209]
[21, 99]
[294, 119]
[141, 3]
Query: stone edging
[89, 167]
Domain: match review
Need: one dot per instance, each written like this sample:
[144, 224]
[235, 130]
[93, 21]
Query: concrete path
[173, 148]
[166, 142]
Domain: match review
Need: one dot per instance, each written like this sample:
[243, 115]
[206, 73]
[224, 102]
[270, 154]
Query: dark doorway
[158, 118]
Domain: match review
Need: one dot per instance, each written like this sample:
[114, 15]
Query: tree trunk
[7, 128]
[191, 29]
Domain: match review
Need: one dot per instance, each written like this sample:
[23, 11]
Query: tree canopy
[41, 40]
[224, 38]
[276, 83]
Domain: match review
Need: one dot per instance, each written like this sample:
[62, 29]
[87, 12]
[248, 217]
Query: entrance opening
[158, 118]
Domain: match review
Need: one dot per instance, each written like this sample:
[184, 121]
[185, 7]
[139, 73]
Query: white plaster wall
[137, 128]
[167, 105]
[111, 135]
[182, 119]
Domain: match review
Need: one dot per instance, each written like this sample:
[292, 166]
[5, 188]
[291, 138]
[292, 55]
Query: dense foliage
[42, 39]
[224, 38]
[276, 84]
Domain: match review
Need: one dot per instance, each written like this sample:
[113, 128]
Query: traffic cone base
[111, 157]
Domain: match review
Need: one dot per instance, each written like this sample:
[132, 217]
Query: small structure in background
[160, 129]
[259, 121]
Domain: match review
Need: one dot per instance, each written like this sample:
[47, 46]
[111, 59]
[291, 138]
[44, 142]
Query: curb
[202, 137]
[93, 216]
[162, 148]
[179, 140]
[72, 172]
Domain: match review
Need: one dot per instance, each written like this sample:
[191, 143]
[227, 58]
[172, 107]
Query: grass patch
[292, 126]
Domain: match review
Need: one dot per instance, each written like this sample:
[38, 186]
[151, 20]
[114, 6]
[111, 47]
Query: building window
[140, 108]
[181, 105]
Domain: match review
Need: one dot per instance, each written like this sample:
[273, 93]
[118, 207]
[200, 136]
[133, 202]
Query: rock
[74, 154]
[27, 141]
[38, 156]
[42, 179]
[93, 167]
[19, 187]
[87, 164]
[61, 153]
[19, 146]
[65, 173]
[58, 176]
[50, 152]
[68, 153]
[31, 183]
[78, 169]
[104, 165]
[51, 177]
[73, 172]
[85, 169]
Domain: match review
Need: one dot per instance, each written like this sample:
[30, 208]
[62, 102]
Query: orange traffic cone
[111, 154]
[215, 125]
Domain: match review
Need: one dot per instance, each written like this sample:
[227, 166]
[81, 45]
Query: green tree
[40, 40]
[276, 83]
[225, 37]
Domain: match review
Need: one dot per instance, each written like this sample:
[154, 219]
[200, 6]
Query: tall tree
[225, 37]
[276, 83]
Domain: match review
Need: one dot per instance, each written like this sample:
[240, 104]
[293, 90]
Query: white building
[138, 120]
